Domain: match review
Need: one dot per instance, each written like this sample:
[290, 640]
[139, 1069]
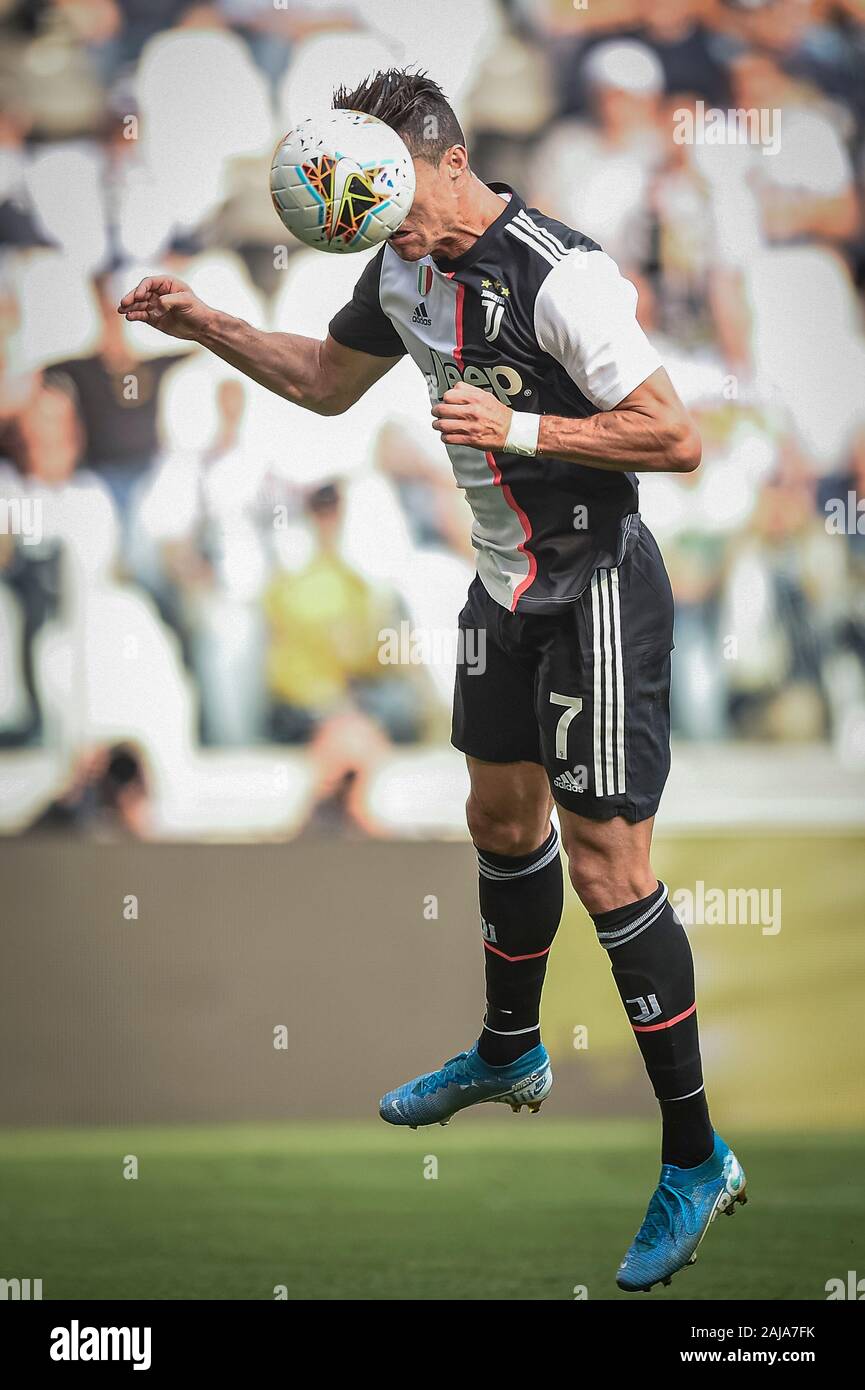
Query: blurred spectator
[682, 208]
[842, 501]
[16, 386]
[272, 30]
[19, 222]
[436, 510]
[107, 796]
[678, 31]
[776, 212]
[345, 750]
[200, 543]
[117, 394]
[513, 100]
[324, 654]
[804, 187]
[800, 36]
[597, 174]
[141, 19]
[781, 585]
[687, 48]
[74, 516]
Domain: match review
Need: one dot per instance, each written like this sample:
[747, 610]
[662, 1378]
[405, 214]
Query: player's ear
[456, 161]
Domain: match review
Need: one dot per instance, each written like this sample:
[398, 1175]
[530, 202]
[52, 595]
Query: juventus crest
[494, 297]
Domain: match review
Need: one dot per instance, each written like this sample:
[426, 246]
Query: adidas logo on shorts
[568, 782]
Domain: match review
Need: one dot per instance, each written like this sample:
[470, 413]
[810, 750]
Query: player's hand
[474, 418]
[166, 304]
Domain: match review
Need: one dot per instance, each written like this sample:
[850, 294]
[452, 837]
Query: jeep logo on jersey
[504, 382]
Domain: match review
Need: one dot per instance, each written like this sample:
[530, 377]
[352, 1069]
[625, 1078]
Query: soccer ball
[342, 183]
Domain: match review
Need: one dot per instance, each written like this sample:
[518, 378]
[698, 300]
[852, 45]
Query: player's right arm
[322, 375]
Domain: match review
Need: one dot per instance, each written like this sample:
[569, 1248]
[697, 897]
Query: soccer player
[550, 400]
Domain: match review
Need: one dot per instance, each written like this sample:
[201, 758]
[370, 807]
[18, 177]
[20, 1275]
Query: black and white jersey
[537, 314]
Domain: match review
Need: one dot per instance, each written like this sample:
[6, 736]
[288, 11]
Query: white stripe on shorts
[609, 684]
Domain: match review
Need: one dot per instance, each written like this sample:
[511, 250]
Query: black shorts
[585, 693]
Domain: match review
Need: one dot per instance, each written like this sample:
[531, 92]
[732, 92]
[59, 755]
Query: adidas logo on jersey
[568, 782]
[421, 315]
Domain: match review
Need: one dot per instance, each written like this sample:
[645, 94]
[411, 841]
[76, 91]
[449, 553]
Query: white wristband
[523, 433]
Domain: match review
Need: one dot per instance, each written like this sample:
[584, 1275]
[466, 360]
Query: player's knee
[602, 881]
[499, 831]
[587, 875]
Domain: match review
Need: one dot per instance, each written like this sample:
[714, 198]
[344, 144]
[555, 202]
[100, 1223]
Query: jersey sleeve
[585, 317]
[362, 324]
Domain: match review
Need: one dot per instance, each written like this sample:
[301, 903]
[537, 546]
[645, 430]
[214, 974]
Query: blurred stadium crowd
[186, 560]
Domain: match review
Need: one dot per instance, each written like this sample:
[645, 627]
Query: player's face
[432, 214]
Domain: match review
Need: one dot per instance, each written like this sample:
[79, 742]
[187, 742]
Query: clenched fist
[166, 304]
[471, 417]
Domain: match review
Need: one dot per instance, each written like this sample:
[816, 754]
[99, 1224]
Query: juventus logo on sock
[649, 1008]
[521, 903]
[651, 961]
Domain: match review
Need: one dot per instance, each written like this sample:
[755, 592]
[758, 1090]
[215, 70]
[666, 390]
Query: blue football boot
[683, 1206]
[468, 1080]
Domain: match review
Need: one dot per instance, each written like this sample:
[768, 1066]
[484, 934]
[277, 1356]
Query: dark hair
[125, 770]
[410, 102]
[323, 500]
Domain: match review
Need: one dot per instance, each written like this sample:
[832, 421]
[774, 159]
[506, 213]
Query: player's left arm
[649, 431]
[585, 319]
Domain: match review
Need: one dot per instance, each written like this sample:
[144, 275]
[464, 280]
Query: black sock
[652, 966]
[521, 903]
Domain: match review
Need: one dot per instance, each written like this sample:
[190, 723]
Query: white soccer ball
[342, 183]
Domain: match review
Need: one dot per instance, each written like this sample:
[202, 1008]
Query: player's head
[417, 109]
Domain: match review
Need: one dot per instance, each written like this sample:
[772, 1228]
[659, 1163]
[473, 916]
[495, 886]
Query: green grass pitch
[522, 1208]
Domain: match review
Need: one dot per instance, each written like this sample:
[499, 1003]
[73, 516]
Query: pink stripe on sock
[532, 956]
[655, 1027]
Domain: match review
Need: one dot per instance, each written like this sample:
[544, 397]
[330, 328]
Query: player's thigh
[508, 809]
[494, 703]
[603, 693]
